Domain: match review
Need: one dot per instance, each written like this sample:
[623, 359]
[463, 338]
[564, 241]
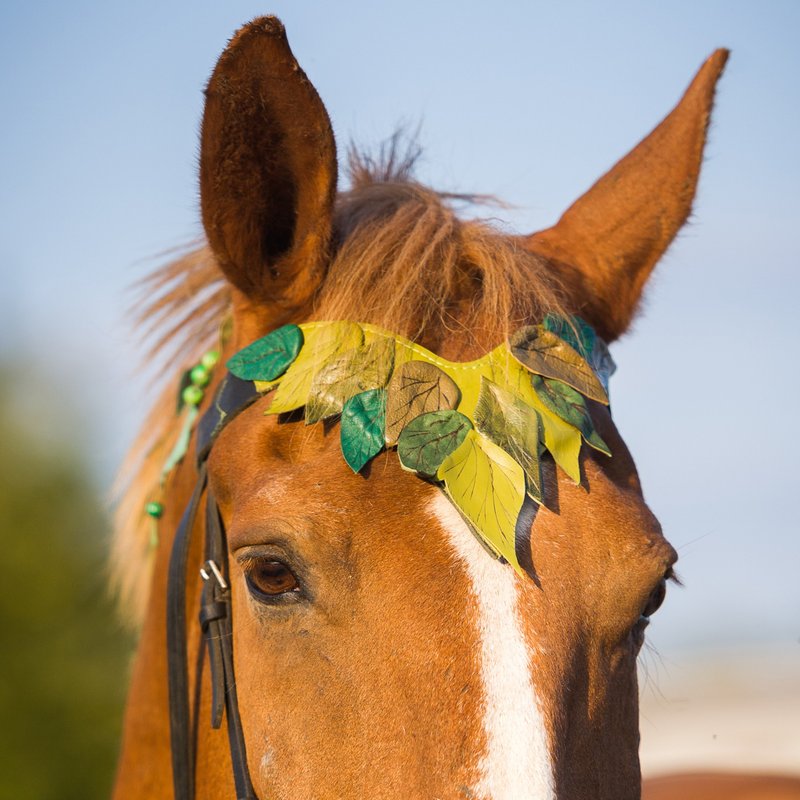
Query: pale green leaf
[514, 426]
[488, 488]
[345, 375]
[561, 439]
[323, 341]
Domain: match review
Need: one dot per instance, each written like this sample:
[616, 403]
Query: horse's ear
[267, 169]
[607, 243]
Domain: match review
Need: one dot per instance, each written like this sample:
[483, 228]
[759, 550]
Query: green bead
[154, 510]
[199, 375]
[210, 359]
[192, 395]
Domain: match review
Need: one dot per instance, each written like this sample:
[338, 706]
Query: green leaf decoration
[546, 354]
[367, 367]
[427, 440]
[488, 487]
[571, 407]
[361, 433]
[514, 426]
[579, 335]
[417, 387]
[268, 357]
[323, 341]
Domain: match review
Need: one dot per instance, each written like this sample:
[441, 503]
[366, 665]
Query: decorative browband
[476, 428]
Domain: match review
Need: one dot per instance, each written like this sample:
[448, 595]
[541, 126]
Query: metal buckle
[213, 568]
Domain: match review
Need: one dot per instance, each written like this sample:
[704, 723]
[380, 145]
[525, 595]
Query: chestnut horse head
[379, 650]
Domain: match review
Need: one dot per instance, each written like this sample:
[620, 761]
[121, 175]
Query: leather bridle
[232, 397]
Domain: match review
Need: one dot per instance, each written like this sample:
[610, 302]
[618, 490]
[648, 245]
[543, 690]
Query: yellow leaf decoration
[349, 374]
[321, 343]
[513, 425]
[488, 488]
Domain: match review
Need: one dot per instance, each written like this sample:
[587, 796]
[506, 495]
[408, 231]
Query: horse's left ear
[607, 243]
[267, 170]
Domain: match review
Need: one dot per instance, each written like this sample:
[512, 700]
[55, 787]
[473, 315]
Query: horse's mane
[402, 259]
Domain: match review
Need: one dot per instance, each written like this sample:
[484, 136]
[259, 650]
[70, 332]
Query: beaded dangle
[190, 395]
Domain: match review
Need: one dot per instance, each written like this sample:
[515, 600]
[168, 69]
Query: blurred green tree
[63, 656]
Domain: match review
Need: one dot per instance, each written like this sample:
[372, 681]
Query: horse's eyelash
[673, 577]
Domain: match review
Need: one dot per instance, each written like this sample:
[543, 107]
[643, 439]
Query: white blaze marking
[516, 764]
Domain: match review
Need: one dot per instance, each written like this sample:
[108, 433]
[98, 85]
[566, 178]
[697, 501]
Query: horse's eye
[655, 600]
[269, 579]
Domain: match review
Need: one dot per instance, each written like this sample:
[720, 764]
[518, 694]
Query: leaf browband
[478, 428]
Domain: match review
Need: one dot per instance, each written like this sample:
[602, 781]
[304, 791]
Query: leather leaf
[514, 426]
[323, 342]
[417, 387]
[428, 439]
[547, 354]
[268, 357]
[362, 424]
[345, 375]
[568, 404]
[488, 487]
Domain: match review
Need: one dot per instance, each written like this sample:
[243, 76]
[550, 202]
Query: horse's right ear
[267, 169]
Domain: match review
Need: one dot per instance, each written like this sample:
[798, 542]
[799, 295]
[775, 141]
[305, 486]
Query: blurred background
[530, 101]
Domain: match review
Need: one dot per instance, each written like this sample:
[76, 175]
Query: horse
[374, 626]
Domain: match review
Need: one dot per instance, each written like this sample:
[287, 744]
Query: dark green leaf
[568, 404]
[514, 426]
[547, 354]
[361, 435]
[417, 387]
[428, 439]
[365, 367]
[269, 357]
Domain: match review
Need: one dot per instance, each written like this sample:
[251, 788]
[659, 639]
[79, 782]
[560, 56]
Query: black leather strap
[219, 639]
[232, 397]
[181, 740]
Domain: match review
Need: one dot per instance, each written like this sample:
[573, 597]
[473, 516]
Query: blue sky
[527, 100]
